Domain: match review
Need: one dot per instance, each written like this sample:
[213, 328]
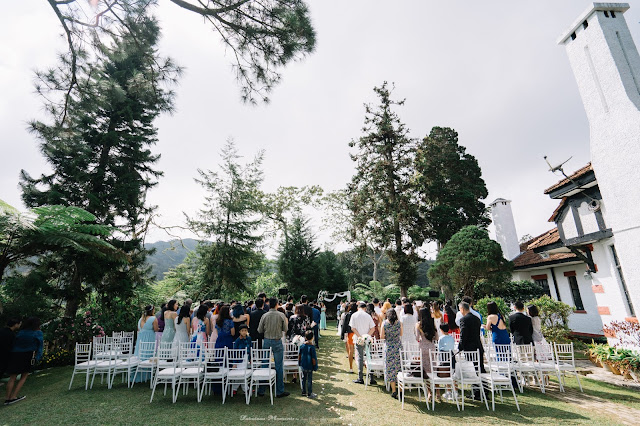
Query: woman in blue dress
[225, 329]
[495, 322]
[147, 327]
[323, 316]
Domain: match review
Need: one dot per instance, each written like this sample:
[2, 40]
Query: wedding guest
[521, 326]
[160, 318]
[536, 323]
[347, 334]
[468, 300]
[273, 324]
[7, 337]
[299, 323]
[449, 317]
[202, 326]
[243, 341]
[147, 326]
[376, 306]
[254, 321]
[398, 308]
[385, 308]
[409, 325]
[316, 316]
[391, 331]
[436, 313]
[361, 323]
[323, 316]
[288, 310]
[374, 316]
[239, 318]
[169, 317]
[470, 332]
[308, 362]
[427, 338]
[26, 352]
[495, 323]
[446, 342]
[225, 328]
[183, 325]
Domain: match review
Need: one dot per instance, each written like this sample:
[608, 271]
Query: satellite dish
[594, 205]
[554, 169]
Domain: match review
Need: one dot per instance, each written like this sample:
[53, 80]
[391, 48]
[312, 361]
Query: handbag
[465, 370]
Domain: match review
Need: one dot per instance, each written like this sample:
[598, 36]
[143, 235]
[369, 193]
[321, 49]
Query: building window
[575, 293]
[545, 286]
[616, 262]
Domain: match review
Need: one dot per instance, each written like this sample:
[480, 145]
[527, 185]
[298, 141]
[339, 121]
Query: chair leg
[493, 399]
[484, 396]
[515, 397]
[86, 384]
[72, 375]
[578, 379]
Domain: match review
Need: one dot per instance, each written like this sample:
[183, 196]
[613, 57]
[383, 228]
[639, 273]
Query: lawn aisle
[340, 402]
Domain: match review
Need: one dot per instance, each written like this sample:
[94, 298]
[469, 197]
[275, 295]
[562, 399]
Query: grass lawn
[340, 401]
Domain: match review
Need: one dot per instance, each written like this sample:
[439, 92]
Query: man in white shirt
[376, 307]
[361, 323]
[459, 315]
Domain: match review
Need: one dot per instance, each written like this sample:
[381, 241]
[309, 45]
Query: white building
[590, 260]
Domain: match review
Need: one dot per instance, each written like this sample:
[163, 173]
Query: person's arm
[40, 344]
[233, 330]
[187, 323]
[401, 329]
[488, 326]
[155, 324]
[458, 318]
[382, 330]
[314, 358]
[248, 319]
[207, 326]
[261, 325]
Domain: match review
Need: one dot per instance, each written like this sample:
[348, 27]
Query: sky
[493, 71]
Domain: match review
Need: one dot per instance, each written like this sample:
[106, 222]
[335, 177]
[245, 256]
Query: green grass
[340, 402]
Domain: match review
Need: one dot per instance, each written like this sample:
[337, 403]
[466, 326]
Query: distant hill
[169, 254]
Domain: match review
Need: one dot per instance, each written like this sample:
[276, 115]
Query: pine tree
[231, 218]
[100, 154]
[381, 193]
[297, 261]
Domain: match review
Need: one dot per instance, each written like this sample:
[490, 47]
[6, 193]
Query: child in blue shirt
[308, 361]
[243, 341]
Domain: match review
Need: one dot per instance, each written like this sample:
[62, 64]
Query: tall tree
[100, 154]
[469, 257]
[231, 218]
[381, 193]
[450, 185]
[263, 36]
[297, 261]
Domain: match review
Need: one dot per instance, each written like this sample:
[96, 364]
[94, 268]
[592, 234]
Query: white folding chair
[290, 361]
[104, 361]
[546, 363]
[374, 360]
[126, 362]
[498, 376]
[261, 371]
[239, 372]
[215, 368]
[467, 374]
[565, 361]
[191, 367]
[525, 365]
[441, 375]
[83, 363]
[146, 361]
[167, 370]
[411, 375]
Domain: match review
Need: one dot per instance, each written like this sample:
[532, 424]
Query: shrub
[63, 333]
[627, 333]
[512, 291]
[57, 358]
[418, 293]
[554, 316]
[481, 306]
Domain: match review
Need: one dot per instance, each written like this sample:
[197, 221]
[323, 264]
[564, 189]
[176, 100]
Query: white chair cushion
[213, 374]
[169, 372]
[495, 377]
[408, 378]
[263, 374]
[239, 372]
[437, 379]
[191, 372]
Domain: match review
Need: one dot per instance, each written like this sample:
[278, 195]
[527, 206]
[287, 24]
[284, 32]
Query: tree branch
[207, 11]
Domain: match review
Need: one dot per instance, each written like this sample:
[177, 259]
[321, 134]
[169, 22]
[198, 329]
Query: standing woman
[409, 322]
[225, 328]
[27, 350]
[214, 318]
[169, 317]
[427, 338]
[160, 318]
[371, 310]
[239, 318]
[347, 334]
[298, 323]
[183, 325]
[495, 323]
[323, 316]
[536, 323]
[202, 327]
[449, 318]
[391, 331]
[436, 313]
[147, 327]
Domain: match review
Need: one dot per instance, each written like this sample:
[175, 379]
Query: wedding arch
[324, 296]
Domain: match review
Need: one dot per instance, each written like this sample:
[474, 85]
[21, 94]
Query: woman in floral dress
[391, 331]
[202, 328]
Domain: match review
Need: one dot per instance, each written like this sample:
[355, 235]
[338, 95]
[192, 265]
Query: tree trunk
[403, 291]
[74, 295]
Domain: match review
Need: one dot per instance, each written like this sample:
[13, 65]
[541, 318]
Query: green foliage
[297, 261]
[376, 289]
[511, 292]
[28, 294]
[503, 306]
[554, 316]
[469, 257]
[418, 293]
[269, 283]
[65, 332]
[56, 357]
[231, 218]
[331, 274]
[381, 194]
[450, 184]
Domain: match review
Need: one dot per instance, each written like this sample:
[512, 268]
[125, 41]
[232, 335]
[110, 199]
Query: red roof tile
[565, 181]
[530, 258]
[557, 210]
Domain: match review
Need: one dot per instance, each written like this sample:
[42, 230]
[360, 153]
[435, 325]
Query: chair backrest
[237, 358]
[190, 353]
[254, 344]
[97, 339]
[544, 352]
[260, 358]
[215, 359]
[117, 334]
[377, 349]
[441, 363]
[167, 353]
[564, 353]
[128, 334]
[466, 359]
[101, 347]
[83, 352]
[291, 351]
[411, 347]
[411, 362]
[146, 350]
[499, 358]
[524, 353]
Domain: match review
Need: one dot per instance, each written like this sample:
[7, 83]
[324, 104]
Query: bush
[511, 292]
[418, 293]
[481, 306]
[64, 333]
[554, 316]
[57, 358]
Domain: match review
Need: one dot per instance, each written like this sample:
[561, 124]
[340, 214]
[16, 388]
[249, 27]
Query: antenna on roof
[594, 205]
[554, 169]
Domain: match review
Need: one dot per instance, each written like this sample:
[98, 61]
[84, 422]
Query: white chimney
[505, 228]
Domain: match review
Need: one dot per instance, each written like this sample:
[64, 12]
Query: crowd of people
[236, 325]
[431, 327]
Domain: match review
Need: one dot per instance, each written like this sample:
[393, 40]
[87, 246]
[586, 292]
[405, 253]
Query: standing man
[470, 337]
[361, 323]
[272, 325]
[521, 326]
[7, 337]
[254, 321]
[376, 306]
[316, 328]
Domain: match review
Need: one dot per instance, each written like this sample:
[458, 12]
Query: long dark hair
[451, 316]
[392, 316]
[31, 323]
[492, 309]
[171, 305]
[202, 312]
[427, 325]
[184, 313]
[223, 315]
